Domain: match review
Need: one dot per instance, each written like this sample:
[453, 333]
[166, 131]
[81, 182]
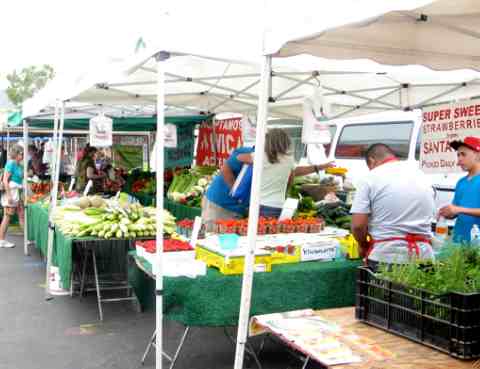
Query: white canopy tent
[440, 35]
[203, 85]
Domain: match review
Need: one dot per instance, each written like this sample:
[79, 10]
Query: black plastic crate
[449, 323]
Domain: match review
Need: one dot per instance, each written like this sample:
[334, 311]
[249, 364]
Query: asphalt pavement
[65, 333]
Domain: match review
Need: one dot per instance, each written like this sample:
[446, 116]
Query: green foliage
[24, 84]
[458, 270]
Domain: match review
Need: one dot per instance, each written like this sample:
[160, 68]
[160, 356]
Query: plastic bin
[449, 323]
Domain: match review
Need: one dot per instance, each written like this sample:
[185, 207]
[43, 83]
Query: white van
[400, 130]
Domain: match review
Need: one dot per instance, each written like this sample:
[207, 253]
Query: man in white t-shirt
[394, 204]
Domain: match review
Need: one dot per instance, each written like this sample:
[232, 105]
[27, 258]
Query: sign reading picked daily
[101, 131]
[441, 125]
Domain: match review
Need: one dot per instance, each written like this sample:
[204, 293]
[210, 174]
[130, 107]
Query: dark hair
[379, 151]
[277, 143]
[89, 150]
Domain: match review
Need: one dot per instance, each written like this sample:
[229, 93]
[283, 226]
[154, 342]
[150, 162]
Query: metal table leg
[179, 348]
[248, 347]
[97, 285]
[84, 270]
[307, 359]
[173, 360]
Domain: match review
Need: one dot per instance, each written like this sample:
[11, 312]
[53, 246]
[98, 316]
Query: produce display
[145, 186]
[40, 190]
[270, 226]
[40, 187]
[172, 244]
[96, 217]
[189, 185]
[336, 214]
[457, 271]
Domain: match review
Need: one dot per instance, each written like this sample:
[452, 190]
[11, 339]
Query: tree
[24, 84]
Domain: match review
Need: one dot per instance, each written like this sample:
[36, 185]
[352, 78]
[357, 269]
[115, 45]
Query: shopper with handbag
[12, 202]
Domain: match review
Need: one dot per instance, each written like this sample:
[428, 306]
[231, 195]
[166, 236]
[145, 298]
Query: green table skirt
[214, 299]
[180, 211]
[144, 199]
[111, 254]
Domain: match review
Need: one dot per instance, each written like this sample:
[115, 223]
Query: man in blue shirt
[217, 202]
[466, 203]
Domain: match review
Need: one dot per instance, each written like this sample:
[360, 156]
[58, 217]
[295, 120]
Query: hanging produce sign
[171, 135]
[101, 131]
[214, 149]
[314, 131]
[441, 125]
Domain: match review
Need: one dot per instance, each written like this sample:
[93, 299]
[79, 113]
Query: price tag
[197, 224]
[88, 187]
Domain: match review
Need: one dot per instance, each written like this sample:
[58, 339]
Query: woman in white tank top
[278, 169]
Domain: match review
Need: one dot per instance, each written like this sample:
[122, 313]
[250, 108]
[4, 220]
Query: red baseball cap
[470, 141]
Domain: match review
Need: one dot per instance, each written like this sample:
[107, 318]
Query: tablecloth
[214, 299]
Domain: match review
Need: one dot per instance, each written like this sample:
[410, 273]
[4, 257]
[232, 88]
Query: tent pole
[437, 96]
[8, 140]
[25, 186]
[253, 213]
[54, 193]
[358, 107]
[214, 144]
[159, 155]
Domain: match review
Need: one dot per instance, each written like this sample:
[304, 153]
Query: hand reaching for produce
[330, 164]
[449, 211]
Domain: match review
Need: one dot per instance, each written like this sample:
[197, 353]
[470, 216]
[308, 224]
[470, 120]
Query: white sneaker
[6, 244]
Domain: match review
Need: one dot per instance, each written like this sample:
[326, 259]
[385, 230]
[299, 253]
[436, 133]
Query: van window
[356, 138]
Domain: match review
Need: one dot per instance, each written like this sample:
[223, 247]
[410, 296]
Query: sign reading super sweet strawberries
[441, 125]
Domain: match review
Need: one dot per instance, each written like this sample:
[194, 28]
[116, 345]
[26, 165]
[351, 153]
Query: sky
[74, 36]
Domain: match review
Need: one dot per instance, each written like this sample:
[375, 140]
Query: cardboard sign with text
[441, 125]
[214, 150]
[101, 131]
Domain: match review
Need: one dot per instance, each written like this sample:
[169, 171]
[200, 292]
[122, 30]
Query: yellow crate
[350, 246]
[231, 265]
[283, 258]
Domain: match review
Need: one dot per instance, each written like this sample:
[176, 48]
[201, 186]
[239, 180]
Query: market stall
[137, 82]
[377, 34]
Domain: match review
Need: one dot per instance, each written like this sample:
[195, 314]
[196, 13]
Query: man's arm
[452, 211]
[360, 231]
[227, 174]
[245, 158]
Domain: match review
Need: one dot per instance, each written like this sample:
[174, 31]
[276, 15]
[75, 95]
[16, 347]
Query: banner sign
[214, 150]
[441, 125]
[101, 131]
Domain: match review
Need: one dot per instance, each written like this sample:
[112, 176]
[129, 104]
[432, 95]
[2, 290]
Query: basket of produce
[437, 305]
[320, 190]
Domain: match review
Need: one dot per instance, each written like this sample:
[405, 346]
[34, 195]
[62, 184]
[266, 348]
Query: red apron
[410, 238]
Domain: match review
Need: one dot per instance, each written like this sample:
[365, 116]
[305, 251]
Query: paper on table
[289, 208]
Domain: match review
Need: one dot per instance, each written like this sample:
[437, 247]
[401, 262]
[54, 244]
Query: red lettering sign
[228, 137]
